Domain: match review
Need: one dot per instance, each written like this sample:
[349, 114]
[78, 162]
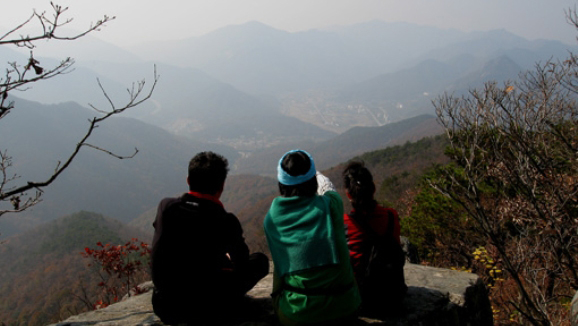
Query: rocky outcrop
[435, 297]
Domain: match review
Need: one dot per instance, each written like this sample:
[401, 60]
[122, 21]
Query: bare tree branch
[136, 97]
[50, 26]
[18, 76]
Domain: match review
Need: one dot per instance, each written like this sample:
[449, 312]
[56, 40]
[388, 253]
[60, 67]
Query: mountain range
[38, 137]
[230, 85]
[248, 91]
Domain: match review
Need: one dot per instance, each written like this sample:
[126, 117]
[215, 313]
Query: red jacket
[357, 239]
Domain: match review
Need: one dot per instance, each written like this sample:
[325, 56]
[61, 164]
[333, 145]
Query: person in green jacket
[313, 282]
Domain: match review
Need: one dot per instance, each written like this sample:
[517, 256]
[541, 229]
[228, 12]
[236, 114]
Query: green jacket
[313, 282]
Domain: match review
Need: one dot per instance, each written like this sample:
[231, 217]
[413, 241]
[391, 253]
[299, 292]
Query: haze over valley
[249, 91]
[367, 74]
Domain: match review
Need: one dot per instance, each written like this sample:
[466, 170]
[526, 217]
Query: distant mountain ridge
[237, 85]
[411, 91]
[259, 59]
[39, 136]
[187, 102]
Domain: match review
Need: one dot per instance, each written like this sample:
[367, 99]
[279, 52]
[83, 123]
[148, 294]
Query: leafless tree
[516, 149]
[18, 76]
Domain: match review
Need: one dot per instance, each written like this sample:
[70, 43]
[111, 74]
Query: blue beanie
[289, 180]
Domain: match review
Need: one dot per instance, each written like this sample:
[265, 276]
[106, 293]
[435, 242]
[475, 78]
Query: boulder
[435, 296]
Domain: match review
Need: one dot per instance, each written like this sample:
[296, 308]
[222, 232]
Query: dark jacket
[189, 255]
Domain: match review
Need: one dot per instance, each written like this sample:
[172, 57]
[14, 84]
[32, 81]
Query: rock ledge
[435, 297]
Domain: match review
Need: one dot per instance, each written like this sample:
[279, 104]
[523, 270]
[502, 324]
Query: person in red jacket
[366, 224]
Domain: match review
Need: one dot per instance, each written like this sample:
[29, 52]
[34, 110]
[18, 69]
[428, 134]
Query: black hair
[207, 173]
[359, 184]
[295, 164]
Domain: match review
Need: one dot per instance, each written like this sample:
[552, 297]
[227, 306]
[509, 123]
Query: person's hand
[323, 184]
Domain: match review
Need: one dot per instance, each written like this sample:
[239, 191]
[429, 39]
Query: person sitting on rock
[313, 282]
[373, 237]
[201, 266]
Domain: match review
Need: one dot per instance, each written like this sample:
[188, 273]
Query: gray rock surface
[435, 297]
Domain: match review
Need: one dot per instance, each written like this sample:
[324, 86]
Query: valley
[320, 109]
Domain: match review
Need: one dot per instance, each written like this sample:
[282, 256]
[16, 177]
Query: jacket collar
[212, 198]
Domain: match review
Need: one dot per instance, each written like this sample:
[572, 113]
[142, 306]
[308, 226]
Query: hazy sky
[143, 20]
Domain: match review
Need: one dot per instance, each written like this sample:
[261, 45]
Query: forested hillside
[398, 172]
[44, 278]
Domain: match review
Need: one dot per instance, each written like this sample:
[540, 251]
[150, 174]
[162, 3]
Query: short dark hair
[207, 172]
[298, 163]
[359, 184]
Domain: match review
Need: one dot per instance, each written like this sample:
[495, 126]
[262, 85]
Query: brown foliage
[121, 268]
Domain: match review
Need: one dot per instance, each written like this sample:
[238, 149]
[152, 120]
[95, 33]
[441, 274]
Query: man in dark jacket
[201, 265]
